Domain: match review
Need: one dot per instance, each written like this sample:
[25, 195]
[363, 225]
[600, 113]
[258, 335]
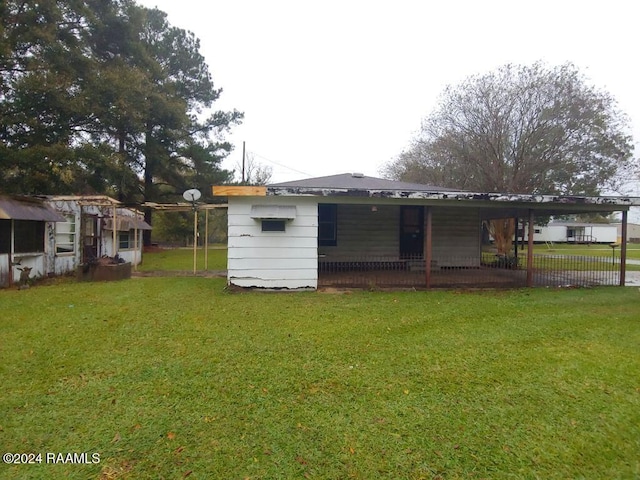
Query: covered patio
[357, 231]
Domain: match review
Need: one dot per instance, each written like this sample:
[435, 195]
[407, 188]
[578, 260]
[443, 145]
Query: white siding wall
[35, 261]
[127, 254]
[4, 269]
[286, 259]
[456, 237]
[363, 232]
[548, 233]
[605, 233]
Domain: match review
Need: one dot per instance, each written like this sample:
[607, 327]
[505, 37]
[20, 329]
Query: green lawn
[176, 377]
[633, 250]
[560, 256]
[181, 259]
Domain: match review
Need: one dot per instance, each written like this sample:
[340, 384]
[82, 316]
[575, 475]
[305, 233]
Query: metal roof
[493, 205]
[360, 182]
[23, 208]
[125, 223]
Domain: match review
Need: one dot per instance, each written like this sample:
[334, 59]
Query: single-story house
[297, 235]
[53, 235]
[575, 232]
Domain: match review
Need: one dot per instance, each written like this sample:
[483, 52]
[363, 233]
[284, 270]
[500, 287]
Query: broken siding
[60, 264]
[273, 259]
[456, 237]
[363, 232]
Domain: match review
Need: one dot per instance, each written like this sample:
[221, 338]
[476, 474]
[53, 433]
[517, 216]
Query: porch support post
[206, 239]
[195, 237]
[515, 243]
[12, 252]
[135, 248]
[623, 249]
[428, 216]
[115, 232]
[530, 250]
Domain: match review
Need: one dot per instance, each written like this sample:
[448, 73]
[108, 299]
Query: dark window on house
[125, 240]
[273, 225]
[5, 236]
[327, 225]
[29, 236]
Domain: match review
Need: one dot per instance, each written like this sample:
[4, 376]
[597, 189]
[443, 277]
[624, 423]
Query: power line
[282, 165]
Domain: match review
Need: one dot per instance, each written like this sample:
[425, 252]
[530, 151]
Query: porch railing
[485, 271]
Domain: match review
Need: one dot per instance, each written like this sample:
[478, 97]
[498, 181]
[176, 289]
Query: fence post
[530, 250]
[623, 249]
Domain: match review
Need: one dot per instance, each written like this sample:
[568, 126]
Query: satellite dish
[192, 195]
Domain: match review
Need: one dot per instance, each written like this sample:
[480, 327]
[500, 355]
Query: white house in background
[633, 232]
[575, 232]
[289, 235]
[53, 235]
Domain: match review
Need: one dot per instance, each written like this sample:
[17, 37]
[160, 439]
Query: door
[411, 232]
[90, 247]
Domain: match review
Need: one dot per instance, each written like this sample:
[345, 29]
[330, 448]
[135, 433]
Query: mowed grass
[596, 250]
[574, 257]
[177, 377]
[181, 259]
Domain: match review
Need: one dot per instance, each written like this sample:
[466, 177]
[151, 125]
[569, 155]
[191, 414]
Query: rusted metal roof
[85, 200]
[348, 186]
[125, 223]
[23, 208]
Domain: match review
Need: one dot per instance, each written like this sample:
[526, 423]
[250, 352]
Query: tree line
[521, 129]
[106, 96]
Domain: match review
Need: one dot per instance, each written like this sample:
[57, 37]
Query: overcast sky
[338, 86]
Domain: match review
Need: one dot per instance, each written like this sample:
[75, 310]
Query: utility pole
[243, 162]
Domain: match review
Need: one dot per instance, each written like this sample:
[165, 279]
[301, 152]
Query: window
[29, 236]
[273, 225]
[537, 230]
[125, 240]
[66, 235]
[5, 236]
[327, 225]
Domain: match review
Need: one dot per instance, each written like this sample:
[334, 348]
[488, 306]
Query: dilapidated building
[53, 235]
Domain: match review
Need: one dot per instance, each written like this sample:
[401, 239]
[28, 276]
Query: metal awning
[27, 209]
[281, 212]
[124, 224]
